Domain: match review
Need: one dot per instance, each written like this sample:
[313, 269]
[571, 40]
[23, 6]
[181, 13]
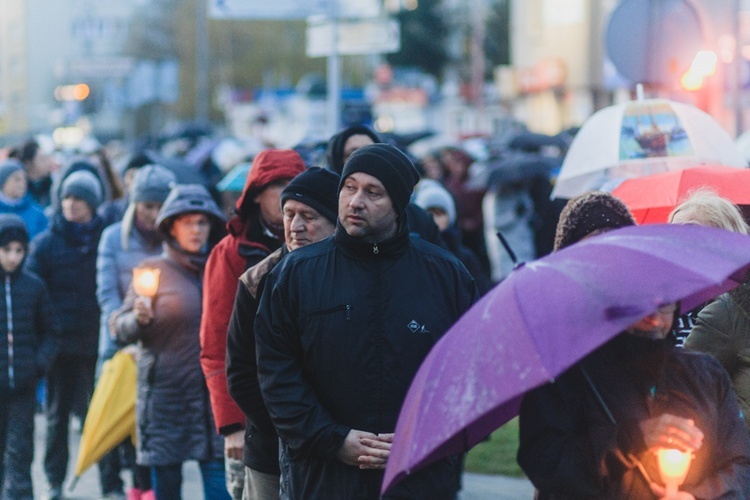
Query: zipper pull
[375, 248]
[348, 312]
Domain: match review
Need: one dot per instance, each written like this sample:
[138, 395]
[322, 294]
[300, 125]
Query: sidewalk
[476, 486]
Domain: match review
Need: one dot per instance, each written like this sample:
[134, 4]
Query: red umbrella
[653, 197]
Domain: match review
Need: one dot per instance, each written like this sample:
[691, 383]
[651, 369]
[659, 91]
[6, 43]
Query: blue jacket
[64, 256]
[26, 208]
[28, 324]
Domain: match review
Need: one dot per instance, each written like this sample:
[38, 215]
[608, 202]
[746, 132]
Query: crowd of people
[288, 324]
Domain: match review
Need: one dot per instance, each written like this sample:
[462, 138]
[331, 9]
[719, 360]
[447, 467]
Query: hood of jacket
[268, 166]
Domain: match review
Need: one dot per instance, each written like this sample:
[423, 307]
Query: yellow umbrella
[111, 415]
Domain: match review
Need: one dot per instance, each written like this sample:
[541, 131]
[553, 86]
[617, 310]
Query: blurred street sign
[101, 67]
[291, 9]
[366, 36]
[263, 9]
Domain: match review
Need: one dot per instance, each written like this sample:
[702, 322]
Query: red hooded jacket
[228, 260]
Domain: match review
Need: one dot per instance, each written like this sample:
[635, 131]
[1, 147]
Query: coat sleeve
[300, 419]
[49, 329]
[37, 258]
[242, 366]
[731, 475]
[107, 286]
[122, 323]
[223, 270]
[563, 451]
[716, 332]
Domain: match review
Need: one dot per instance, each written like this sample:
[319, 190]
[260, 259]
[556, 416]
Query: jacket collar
[363, 249]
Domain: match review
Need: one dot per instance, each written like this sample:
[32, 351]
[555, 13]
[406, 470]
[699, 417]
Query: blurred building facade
[561, 73]
[46, 46]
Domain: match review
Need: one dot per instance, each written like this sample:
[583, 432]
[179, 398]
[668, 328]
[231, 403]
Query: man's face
[365, 208]
[304, 225]
[353, 143]
[146, 212]
[76, 210]
[268, 200]
[655, 326]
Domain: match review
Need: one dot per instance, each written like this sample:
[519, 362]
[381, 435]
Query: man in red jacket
[255, 231]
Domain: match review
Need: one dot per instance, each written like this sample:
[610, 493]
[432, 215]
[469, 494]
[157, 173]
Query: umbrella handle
[507, 247]
[73, 484]
[598, 396]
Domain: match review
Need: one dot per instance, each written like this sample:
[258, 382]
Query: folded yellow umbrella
[111, 415]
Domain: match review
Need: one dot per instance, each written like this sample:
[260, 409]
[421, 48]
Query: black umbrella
[532, 142]
[184, 171]
[518, 168]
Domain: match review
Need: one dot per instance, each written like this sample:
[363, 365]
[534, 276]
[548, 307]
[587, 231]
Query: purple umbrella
[547, 315]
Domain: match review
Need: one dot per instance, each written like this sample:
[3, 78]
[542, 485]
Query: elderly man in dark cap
[309, 207]
[341, 330]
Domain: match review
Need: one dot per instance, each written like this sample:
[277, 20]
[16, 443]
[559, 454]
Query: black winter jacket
[342, 327]
[569, 448]
[34, 336]
[261, 441]
[64, 256]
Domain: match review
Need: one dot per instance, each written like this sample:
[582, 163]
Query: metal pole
[201, 61]
[334, 73]
[738, 112]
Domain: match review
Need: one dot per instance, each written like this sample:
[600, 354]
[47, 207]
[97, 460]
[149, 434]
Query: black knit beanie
[390, 166]
[590, 212]
[335, 149]
[13, 228]
[317, 188]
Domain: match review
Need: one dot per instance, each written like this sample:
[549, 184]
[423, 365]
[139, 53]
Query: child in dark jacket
[28, 343]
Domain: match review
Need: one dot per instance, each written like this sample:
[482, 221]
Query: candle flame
[146, 281]
[673, 465]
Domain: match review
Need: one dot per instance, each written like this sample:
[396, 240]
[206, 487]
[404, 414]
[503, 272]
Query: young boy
[15, 198]
[29, 339]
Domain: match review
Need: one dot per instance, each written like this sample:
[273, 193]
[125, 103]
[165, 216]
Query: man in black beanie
[342, 328]
[345, 143]
[308, 203]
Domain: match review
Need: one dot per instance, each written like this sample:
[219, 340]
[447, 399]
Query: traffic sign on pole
[263, 9]
[364, 36]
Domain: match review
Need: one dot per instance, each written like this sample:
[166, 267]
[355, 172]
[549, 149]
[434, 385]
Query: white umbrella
[640, 138]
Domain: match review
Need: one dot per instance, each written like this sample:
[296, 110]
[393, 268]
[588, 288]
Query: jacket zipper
[8, 306]
[342, 307]
[375, 248]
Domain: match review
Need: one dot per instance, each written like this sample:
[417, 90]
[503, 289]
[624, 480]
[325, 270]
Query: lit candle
[673, 467]
[146, 281]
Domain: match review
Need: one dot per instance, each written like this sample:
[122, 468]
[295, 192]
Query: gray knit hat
[8, 168]
[152, 183]
[431, 194]
[590, 212]
[83, 185]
